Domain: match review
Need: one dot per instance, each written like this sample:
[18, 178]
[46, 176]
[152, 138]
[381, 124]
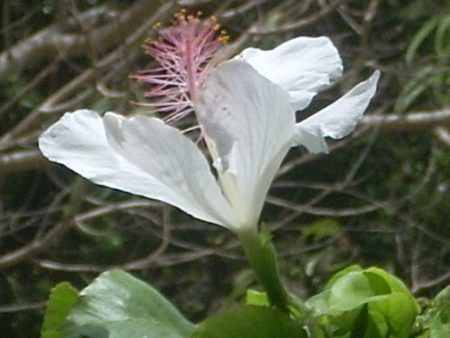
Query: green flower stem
[262, 257]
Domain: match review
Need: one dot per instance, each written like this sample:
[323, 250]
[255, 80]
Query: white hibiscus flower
[246, 110]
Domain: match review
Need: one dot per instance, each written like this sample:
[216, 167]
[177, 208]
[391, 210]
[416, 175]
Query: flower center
[185, 53]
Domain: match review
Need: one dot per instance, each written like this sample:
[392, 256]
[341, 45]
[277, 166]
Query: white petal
[311, 138]
[79, 142]
[303, 66]
[250, 122]
[336, 120]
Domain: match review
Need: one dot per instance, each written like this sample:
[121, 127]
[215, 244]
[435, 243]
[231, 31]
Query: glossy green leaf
[365, 303]
[118, 305]
[399, 312]
[400, 308]
[250, 322]
[340, 274]
[61, 301]
[393, 282]
[355, 289]
[377, 325]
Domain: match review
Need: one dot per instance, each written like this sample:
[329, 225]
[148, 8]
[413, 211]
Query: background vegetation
[380, 198]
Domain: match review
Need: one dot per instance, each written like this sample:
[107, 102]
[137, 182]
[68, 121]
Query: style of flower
[246, 111]
[185, 52]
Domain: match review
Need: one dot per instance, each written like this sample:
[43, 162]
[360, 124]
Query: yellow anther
[223, 39]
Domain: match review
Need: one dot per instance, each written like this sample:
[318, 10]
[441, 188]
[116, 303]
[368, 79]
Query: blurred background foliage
[381, 197]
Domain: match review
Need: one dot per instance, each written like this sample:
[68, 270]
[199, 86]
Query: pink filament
[185, 54]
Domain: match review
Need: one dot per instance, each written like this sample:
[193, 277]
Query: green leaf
[365, 303]
[117, 305]
[377, 325]
[442, 37]
[419, 38]
[400, 308]
[393, 282]
[436, 320]
[250, 322]
[422, 80]
[62, 298]
[360, 323]
[399, 311]
[355, 289]
[322, 229]
[438, 329]
[257, 298]
[441, 304]
[341, 273]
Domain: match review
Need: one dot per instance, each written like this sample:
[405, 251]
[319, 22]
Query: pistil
[185, 52]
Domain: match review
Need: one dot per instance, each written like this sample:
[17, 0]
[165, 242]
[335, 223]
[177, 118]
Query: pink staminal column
[185, 53]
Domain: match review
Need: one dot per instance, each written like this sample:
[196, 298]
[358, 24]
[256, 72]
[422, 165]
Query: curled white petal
[141, 156]
[303, 66]
[336, 120]
[249, 124]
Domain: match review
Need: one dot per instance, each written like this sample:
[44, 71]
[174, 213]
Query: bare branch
[52, 41]
[21, 161]
[51, 103]
[407, 122]
[299, 24]
[443, 135]
[36, 246]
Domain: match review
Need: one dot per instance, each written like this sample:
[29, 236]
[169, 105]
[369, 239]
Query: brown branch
[36, 246]
[430, 283]
[51, 42]
[407, 122]
[11, 308]
[40, 77]
[52, 103]
[310, 20]
[21, 161]
[240, 10]
[28, 160]
[317, 211]
[443, 135]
